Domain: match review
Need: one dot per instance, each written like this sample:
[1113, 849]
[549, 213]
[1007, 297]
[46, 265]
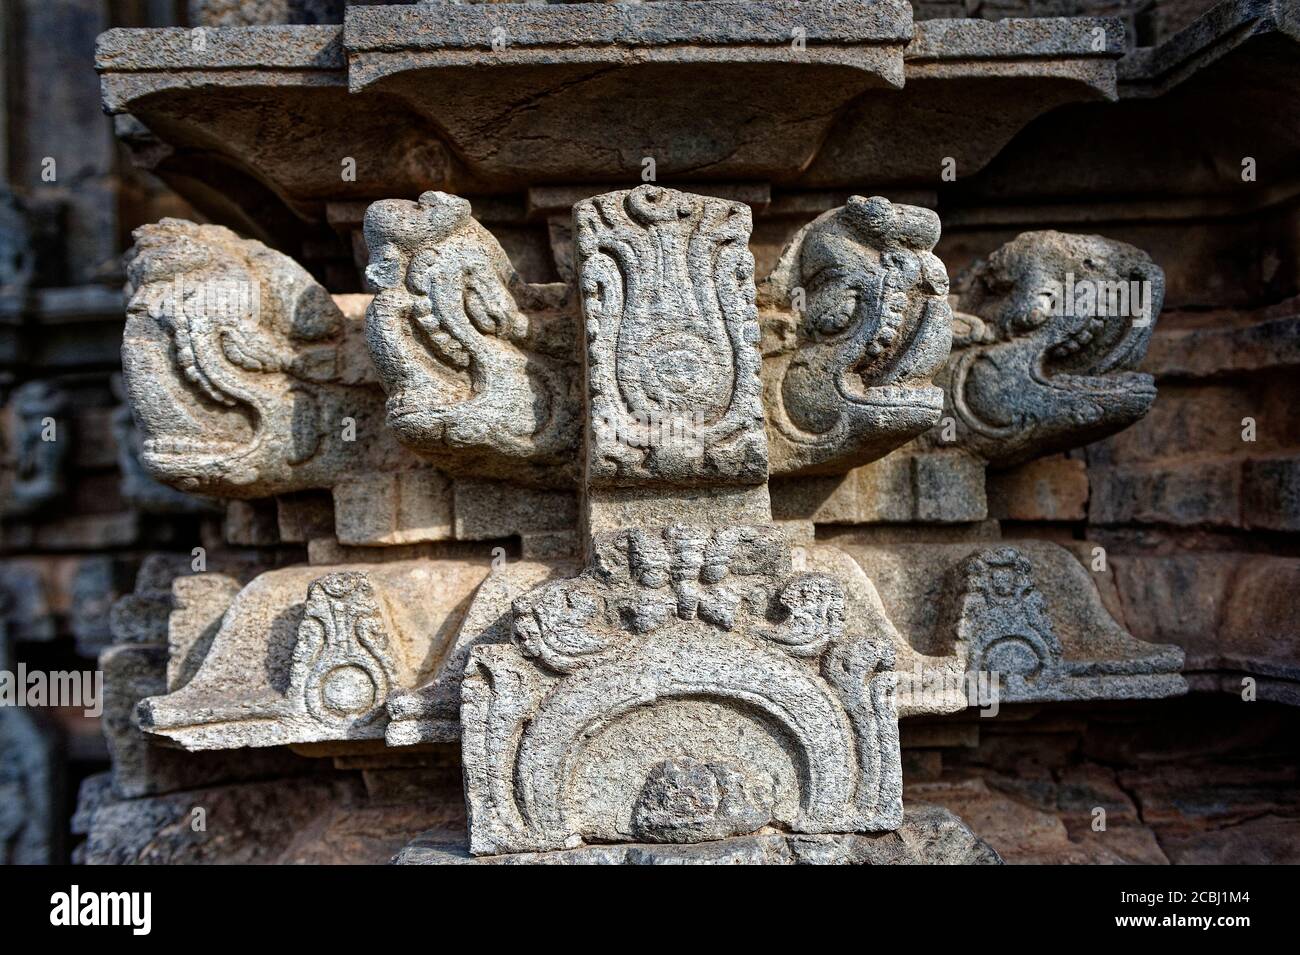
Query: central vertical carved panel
[673, 388]
[689, 684]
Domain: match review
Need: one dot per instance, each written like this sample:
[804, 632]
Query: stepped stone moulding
[929, 835]
[421, 92]
[590, 724]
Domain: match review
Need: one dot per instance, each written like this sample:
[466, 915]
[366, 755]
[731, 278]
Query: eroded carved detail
[667, 282]
[1049, 330]
[741, 670]
[1029, 613]
[686, 684]
[480, 384]
[310, 654]
[343, 660]
[1002, 623]
[853, 380]
[242, 371]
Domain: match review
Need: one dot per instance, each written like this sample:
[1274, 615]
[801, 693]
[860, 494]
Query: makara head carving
[474, 381]
[869, 298]
[1051, 327]
[226, 342]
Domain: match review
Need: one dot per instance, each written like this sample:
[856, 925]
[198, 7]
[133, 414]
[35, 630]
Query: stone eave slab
[381, 39]
[135, 62]
[1151, 71]
[577, 93]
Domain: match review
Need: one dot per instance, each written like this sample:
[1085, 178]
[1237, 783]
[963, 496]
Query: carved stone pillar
[688, 683]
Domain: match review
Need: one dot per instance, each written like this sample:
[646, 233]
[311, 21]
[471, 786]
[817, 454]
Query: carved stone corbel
[1015, 622]
[1046, 338]
[868, 326]
[245, 377]
[1051, 326]
[479, 367]
[310, 654]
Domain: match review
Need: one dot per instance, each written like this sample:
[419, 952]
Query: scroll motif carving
[667, 283]
[342, 661]
[1002, 624]
[871, 327]
[599, 735]
[312, 653]
[687, 684]
[474, 381]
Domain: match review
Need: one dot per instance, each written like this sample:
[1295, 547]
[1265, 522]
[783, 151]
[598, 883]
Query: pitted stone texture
[245, 377]
[312, 654]
[929, 835]
[1027, 377]
[1027, 610]
[872, 325]
[673, 389]
[1050, 330]
[687, 685]
[163, 631]
[474, 381]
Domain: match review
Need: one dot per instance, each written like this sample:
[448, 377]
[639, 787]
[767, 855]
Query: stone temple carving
[1002, 622]
[668, 305]
[589, 726]
[1046, 336]
[479, 384]
[689, 675]
[1053, 325]
[481, 368]
[1028, 611]
[244, 375]
[306, 654]
[853, 381]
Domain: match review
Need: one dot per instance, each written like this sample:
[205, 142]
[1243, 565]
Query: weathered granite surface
[851, 381]
[587, 726]
[476, 98]
[625, 539]
[241, 371]
[1048, 332]
[1028, 611]
[474, 382]
[929, 835]
[305, 654]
